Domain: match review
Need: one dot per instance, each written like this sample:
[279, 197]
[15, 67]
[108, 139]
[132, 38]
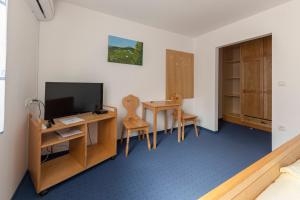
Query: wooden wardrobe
[246, 83]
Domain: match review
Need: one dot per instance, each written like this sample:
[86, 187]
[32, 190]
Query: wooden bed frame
[252, 181]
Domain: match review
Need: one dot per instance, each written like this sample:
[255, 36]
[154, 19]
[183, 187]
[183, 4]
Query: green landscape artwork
[125, 51]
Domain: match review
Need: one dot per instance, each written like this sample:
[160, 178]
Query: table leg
[179, 123]
[166, 121]
[154, 128]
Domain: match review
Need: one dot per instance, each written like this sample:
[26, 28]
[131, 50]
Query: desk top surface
[87, 118]
[159, 104]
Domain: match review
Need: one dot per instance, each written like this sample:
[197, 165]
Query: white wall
[3, 21]
[20, 85]
[283, 23]
[73, 47]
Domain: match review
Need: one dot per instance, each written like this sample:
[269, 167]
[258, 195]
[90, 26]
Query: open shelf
[53, 171]
[97, 153]
[53, 138]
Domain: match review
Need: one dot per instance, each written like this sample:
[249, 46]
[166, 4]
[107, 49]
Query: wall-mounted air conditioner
[42, 9]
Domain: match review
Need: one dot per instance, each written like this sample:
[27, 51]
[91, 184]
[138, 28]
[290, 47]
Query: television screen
[63, 99]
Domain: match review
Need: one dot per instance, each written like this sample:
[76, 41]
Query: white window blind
[3, 15]
[3, 2]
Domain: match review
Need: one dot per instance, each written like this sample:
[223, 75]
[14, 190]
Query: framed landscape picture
[121, 50]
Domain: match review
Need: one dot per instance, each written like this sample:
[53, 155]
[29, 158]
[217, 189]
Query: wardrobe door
[267, 84]
[252, 78]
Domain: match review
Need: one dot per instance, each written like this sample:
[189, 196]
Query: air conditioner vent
[42, 9]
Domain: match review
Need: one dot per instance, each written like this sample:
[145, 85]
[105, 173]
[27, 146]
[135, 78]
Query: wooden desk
[80, 157]
[157, 106]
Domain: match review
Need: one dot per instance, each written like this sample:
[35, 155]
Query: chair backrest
[131, 103]
[178, 99]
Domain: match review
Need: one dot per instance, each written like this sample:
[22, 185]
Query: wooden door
[252, 78]
[267, 76]
[179, 74]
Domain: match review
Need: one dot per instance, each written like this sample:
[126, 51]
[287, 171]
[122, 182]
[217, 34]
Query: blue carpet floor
[174, 171]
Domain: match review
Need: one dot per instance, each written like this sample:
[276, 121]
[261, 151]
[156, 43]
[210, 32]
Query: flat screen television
[64, 98]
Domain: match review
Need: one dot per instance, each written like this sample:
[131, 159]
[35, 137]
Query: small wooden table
[157, 106]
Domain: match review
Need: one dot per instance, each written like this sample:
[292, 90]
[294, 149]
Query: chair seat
[135, 123]
[187, 116]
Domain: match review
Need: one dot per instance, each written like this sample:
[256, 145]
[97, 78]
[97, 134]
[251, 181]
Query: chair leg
[148, 138]
[143, 134]
[196, 129]
[172, 126]
[127, 143]
[166, 121]
[122, 134]
[182, 132]
[139, 135]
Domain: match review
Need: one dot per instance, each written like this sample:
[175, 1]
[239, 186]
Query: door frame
[217, 74]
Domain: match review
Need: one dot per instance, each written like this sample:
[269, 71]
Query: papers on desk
[70, 120]
[68, 132]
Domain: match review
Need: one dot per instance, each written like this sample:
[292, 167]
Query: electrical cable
[40, 112]
[47, 156]
[38, 103]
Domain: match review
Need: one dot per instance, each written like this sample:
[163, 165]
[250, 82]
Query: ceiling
[186, 17]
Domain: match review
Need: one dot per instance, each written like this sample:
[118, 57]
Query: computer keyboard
[70, 120]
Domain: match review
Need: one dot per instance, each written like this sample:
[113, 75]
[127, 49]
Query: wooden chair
[132, 122]
[185, 117]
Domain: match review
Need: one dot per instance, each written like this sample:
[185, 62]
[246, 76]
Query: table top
[159, 104]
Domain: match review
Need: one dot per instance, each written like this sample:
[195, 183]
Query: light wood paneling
[179, 74]
[171, 57]
[267, 73]
[246, 77]
[252, 78]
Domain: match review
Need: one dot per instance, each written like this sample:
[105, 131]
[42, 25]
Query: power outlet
[281, 128]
